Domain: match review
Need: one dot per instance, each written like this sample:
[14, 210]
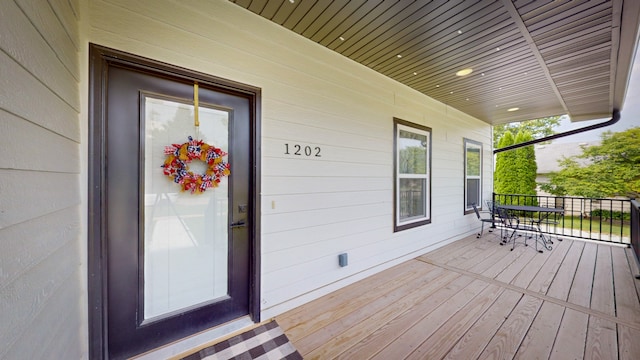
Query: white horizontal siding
[63, 40]
[302, 237]
[312, 208]
[282, 185]
[28, 194]
[68, 13]
[42, 302]
[30, 308]
[16, 133]
[27, 97]
[39, 58]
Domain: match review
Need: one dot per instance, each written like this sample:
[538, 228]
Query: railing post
[635, 232]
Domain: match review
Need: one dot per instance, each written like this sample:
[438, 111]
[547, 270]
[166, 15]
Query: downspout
[614, 119]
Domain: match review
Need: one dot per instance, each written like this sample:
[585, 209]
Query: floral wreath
[179, 156]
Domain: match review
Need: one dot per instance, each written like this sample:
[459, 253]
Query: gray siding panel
[41, 282]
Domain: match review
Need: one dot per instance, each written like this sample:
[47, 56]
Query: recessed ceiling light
[514, 109]
[341, 38]
[450, 92]
[459, 31]
[415, 73]
[398, 56]
[498, 48]
[464, 72]
[482, 74]
[437, 85]
[292, 1]
[467, 99]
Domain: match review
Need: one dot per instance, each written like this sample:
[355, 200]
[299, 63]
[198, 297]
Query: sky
[629, 116]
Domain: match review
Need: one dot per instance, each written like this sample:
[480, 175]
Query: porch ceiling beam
[515, 15]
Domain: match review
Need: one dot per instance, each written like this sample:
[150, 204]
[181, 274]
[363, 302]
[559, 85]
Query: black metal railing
[606, 220]
[635, 229]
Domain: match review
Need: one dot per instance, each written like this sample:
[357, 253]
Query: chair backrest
[507, 219]
[475, 208]
[492, 205]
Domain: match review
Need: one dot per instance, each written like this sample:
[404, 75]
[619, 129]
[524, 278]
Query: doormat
[265, 342]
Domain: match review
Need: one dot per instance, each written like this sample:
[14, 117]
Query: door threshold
[188, 345]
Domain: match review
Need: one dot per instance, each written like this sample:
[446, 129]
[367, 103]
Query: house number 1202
[300, 150]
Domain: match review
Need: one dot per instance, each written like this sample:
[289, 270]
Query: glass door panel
[185, 235]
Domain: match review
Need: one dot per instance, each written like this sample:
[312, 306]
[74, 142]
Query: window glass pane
[412, 198]
[473, 192]
[412, 149]
[473, 160]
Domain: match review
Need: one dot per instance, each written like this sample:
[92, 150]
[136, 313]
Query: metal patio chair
[490, 220]
[518, 228]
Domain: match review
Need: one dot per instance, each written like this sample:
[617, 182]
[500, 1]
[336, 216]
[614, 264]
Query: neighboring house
[549, 155]
[102, 256]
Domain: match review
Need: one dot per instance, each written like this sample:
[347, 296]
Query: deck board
[580, 292]
[601, 339]
[561, 284]
[471, 345]
[407, 342]
[387, 333]
[633, 264]
[627, 304]
[629, 346]
[509, 273]
[440, 342]
[475, 299]
[507, 339]
[328, 344]
[543, 279]
[602, 295]
[540, 338]
[571, 337]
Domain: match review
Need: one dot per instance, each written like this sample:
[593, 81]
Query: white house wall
[313, 208]
[42, 289]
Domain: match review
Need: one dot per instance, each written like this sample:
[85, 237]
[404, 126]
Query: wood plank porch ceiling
[544, 57]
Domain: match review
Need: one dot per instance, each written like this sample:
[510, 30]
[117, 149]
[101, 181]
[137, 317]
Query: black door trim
[100, 59]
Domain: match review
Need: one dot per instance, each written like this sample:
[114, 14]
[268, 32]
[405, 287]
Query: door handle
[238, 224]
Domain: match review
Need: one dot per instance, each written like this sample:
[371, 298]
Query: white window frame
[399, 224]
[478, 145]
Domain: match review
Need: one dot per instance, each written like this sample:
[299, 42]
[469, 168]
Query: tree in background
[606, 170]
[505, 180]
[526, 169]
[516, 169]
[537, 128]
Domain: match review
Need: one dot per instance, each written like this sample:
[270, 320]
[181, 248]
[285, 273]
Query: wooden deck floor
[475, 299]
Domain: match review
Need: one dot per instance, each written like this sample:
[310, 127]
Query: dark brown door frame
[100, 58]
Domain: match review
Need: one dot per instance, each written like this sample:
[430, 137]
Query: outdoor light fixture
[514, 109]
[464, 72]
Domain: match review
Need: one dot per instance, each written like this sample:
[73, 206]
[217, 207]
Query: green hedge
[607, 214]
